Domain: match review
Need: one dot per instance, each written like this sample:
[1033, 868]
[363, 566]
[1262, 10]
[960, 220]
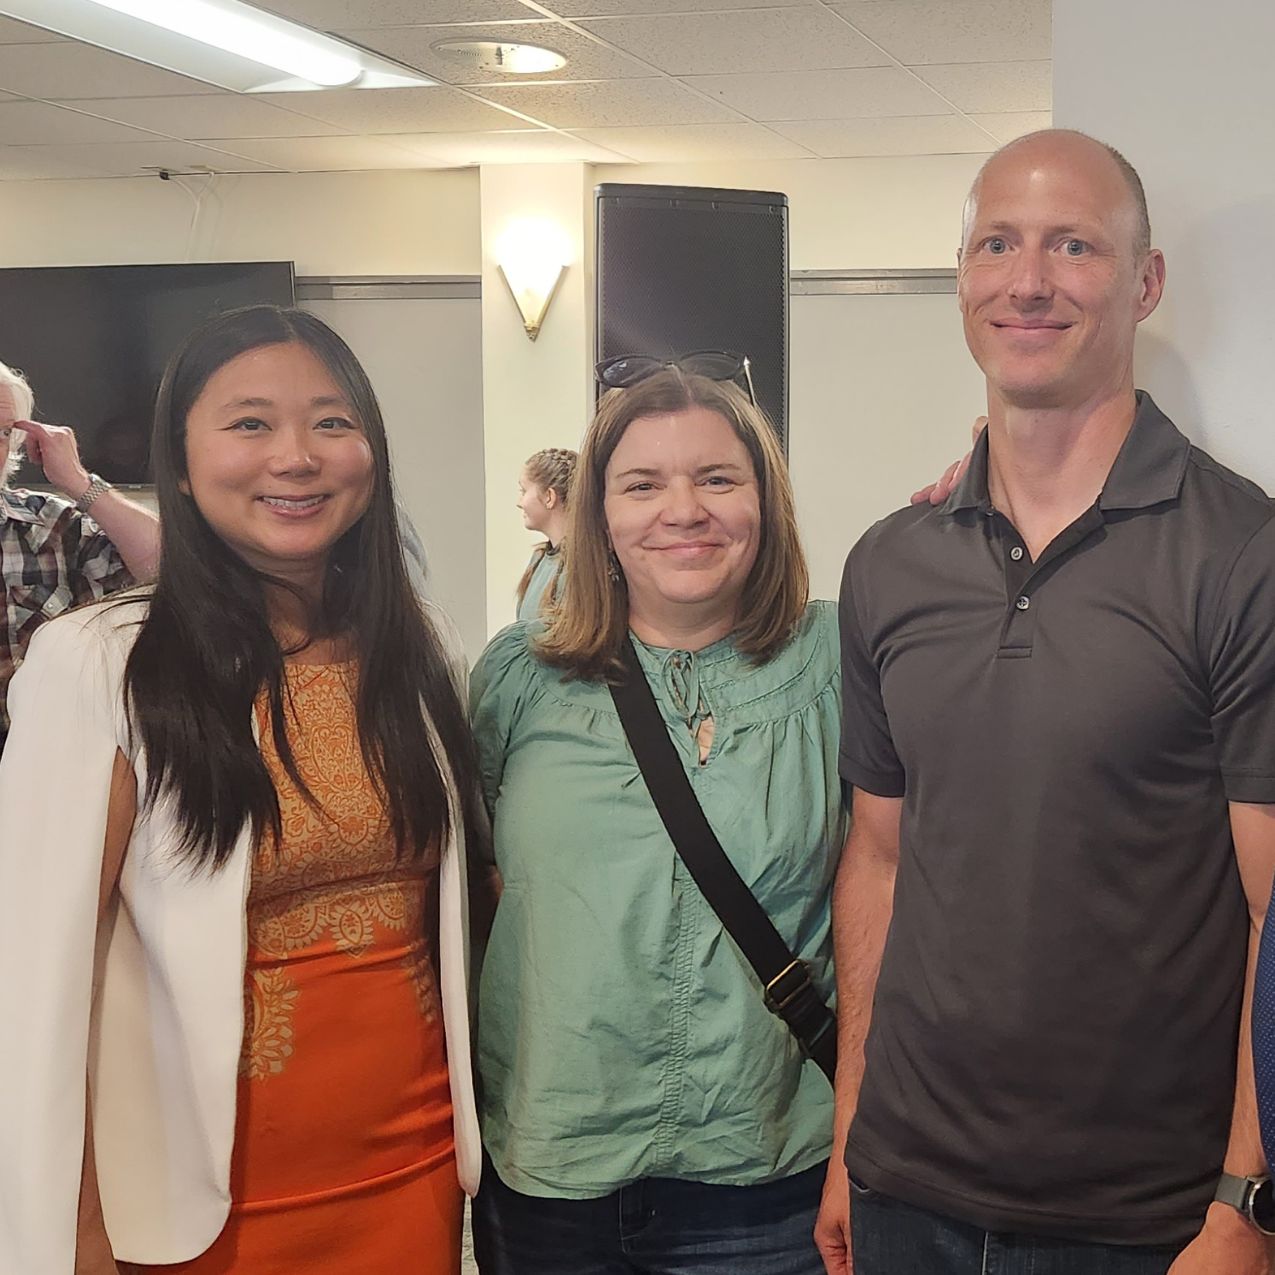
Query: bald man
[1060, 732]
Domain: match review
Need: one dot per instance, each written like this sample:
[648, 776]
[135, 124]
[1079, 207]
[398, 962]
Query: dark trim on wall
[464, 287]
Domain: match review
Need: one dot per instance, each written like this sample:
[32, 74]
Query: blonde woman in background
[544, 488]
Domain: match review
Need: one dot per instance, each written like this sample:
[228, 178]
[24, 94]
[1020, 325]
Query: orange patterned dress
[343, 1158]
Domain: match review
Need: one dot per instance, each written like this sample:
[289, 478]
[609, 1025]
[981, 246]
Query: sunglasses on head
[626, 370]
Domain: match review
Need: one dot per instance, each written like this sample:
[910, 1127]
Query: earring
[613, 567]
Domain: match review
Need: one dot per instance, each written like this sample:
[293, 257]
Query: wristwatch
[97, 485]
[1254, 1198]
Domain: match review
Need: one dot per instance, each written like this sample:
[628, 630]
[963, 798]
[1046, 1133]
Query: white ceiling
[650, 81]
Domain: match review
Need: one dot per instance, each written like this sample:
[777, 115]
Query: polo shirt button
[1016, 553]
[1023, 603]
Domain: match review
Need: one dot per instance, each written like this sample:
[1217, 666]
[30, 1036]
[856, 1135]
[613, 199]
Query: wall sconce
[531, 257]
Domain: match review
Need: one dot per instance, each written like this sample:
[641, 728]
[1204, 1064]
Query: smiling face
[1050, 284]
[277, 462]
[683, 514]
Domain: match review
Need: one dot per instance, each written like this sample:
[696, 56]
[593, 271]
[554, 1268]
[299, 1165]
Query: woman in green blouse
[643, 1111]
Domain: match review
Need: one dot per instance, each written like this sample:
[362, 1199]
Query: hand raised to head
[54, 449]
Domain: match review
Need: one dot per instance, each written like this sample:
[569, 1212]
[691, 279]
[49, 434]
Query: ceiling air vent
[491, 55]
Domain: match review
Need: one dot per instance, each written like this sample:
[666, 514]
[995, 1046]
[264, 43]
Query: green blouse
[621, 1035]
[542, 577]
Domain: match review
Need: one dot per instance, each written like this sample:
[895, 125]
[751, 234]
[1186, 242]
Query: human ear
[1152, 283]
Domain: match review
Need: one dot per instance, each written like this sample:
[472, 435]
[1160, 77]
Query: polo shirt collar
[1151, 464]
[1148, 469]
[971, 492]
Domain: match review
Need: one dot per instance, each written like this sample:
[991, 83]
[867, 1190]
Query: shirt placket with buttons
[1024, 578]
[680, 675]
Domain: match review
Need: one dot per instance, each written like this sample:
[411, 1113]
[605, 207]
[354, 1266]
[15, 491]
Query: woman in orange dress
[343, 1052]
[273, 779]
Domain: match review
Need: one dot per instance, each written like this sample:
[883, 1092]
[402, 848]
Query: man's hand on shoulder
[54, 449]
[1227, 1245]
[937, 492]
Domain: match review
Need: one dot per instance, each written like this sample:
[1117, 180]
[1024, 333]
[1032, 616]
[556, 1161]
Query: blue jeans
[657, 1226]
[890, 1237]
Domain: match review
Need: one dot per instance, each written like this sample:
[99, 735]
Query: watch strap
[1234, 1190]
[97, 485]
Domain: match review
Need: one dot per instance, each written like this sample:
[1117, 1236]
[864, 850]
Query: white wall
[535, 394]
[860, 214]
[412, 222]
[1184, 92]
[883, 396]
[856, 213]
[424, 357]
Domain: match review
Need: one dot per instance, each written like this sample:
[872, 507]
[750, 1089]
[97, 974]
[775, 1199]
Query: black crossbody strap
[786, 983]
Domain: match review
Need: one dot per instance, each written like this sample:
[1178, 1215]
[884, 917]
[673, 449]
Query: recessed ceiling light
[225, 42]
[492, 55]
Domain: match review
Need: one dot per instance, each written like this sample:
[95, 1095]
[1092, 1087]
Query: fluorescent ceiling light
[239, 29]
[224, 42]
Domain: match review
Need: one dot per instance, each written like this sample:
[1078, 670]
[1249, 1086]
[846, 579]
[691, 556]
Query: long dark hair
[206, 650]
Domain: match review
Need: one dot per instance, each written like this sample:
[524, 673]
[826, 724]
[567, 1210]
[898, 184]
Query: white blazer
[149, 1006]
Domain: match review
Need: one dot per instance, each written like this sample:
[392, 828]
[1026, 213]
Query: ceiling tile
[795, 39]
[606, 8]
[823, 95]
[41, 124]
[34, 163]
[328, 154]
[914, 135]
[692, 143]
[994, 87]
[916, 31]
[69, 70]
[14, 32]
[599, 105]
[586, 58]
[537, 146]
[208, 115]
[134, 159]
[1009, 125]
[425, 110]
[346, 15]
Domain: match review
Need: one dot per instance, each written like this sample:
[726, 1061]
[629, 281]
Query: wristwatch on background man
[1254, 1198]
[97, 485]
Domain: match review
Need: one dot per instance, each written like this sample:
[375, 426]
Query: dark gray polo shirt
[1054, 1034]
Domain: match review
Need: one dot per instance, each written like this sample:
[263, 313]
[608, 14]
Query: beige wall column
[535, 393]
[1184, 91]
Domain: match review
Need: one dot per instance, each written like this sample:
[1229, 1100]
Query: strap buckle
[792, 982]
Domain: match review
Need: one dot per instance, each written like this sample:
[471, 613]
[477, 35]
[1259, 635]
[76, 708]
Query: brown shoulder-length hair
[588, 626]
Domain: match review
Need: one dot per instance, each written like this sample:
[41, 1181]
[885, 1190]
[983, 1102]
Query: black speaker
[682, 268]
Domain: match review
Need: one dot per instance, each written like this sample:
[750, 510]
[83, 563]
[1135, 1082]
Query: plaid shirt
[53, 558]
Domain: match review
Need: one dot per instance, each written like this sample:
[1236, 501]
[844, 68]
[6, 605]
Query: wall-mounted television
[93, 342]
